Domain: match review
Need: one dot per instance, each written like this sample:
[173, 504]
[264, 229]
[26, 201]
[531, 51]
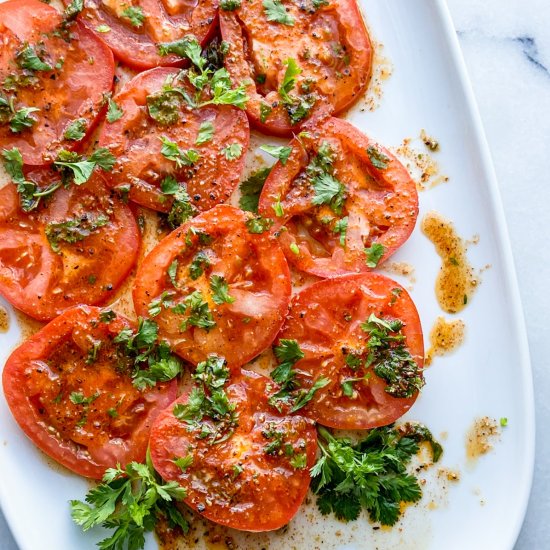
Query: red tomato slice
[325, 319]
[378, 201]
[178, 278]
[134, 29]
[330, 46]
[135, 139]
[43, 282]
[256, 479]
[79, 407]
[70, 96]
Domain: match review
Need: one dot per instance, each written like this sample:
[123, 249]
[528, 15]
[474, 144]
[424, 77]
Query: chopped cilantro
[206, 133]
[258, 225]
[377, 158]
[230, 5]
[27, 58]
[76, 130]
[282, 153]
[181, 209]
[114, 112]
[135, 15]
[197, 312]
[233, 151]
[275, 11]
[251, 189]
[183, 462]
[79, 169]
[220, 290]
[73, 230]
[164, 107]
[328, 190]
[22, 120]
[374, 254]
[182, 157]
[341, 227]
[199, 262]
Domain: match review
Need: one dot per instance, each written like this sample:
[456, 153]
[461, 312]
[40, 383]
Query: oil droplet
[480, 438]
[456, 281]
[445, 337]
[4, 319]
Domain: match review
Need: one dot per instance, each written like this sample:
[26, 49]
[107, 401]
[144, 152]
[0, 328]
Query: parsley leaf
[233, 151]
[181, 209]
[182, 157]
[130, 501]
[370, 474]
[377, 158]
[135, 15]
[374, 254]
[78, 168]
[275, 11]
[114, 112]
[251, 188]
[73, 230]
[76, 130]
[206, 133]
[328, 190]
[281, 153]
[28, 59]
[220, 290]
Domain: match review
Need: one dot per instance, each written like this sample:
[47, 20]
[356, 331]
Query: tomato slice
[135, 139]
[253, 480]
[75, 248]
[326, 321]
[70, 390]
[133, 30]
[346, 202]
[215, 288]
[329, 44]
[69, 96]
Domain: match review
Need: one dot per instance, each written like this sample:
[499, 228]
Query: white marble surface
[506, 45]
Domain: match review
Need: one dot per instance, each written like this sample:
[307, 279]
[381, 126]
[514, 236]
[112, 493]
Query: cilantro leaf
[341, 227]
[199, 262]
[73, 230]
[76, 130]
[377, 158]
[328, 190]
[233, 151]
[78, 168]
[181, 209]
[21, 119]
[251, 188]
[289, 79]
[197, 312]
[114, 112]
[206, 133]
[220, 290]
[27, 58]
[282, 153]
[135, 15]
[130, 501]
[370, 474]
[259, 225]
[182, 157]
[230, 5]
[374, 254]
[275, 11]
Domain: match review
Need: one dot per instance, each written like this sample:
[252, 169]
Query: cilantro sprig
[371, 474]
[130, 501]
[251, 189]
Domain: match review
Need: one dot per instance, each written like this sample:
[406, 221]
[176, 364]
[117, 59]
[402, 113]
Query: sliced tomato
[69, 96]
[346, 216]
[75, 248]
[70, 390]
[253, 480]
[134, 30]
[329, 44]
[136, 140]
[177, 282]
[326, 321]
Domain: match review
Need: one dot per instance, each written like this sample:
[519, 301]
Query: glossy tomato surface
[76, 70]
[69, 388]
[75, 248]
[328, 43]
[326, 321]
[215, 250]
[136, 140]
[339, 194]
[134, 30]
[254, 480]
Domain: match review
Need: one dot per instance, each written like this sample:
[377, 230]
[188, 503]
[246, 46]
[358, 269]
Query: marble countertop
[507, 50]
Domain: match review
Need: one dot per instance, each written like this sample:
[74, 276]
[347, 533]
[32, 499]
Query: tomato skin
[337, 85]
[52, 363]
[138, 47]
[268, 491]
[135, 140]
[254, 268]
[43, 283]
[74, 91]
[325, 320]
[381, 204]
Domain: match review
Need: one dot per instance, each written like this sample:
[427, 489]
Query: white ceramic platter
[489, 375]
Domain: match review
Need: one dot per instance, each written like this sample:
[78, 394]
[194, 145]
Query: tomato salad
[171, 407]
